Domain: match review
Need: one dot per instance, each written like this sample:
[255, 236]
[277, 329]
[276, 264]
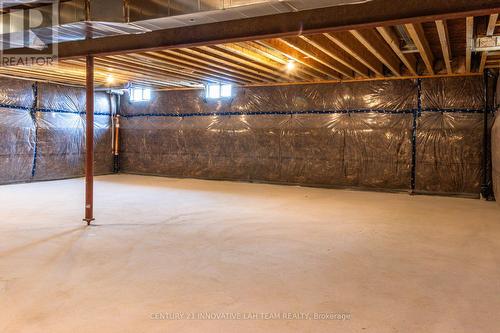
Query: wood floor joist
[444, 39]
[437, 47]
[352, 46]
[376, 45]
[366, 15]
[407, 59]
[311, 52]
[469, 35]
[327, 47]
[490, 30]
[322, 72]
[417, 34]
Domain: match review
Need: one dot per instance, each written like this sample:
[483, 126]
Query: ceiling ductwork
[14, 3]
[81, 19]
[406, 43]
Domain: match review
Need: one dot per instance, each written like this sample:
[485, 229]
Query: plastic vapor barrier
[495, 146]
[61, 132]
[42, 131]
[17, 130]
[16, 93]
[411, 135]
[17, 145]
[347, 135]
[450, 135]
[341, 135]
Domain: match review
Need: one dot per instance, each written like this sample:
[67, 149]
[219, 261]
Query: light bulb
[110, 79]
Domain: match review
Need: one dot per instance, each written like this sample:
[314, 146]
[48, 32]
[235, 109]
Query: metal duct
[13, 3]
[408, 46]
[80, 19]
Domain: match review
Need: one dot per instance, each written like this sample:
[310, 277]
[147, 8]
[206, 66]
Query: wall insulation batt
[423, 135]
[362, 135]
[42, 131]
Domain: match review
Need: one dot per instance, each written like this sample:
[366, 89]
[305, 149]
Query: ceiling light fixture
[110, 79]
[290, 66]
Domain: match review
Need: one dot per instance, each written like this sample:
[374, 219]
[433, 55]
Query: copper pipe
[116, 151]
[116, 145]
[89, 144]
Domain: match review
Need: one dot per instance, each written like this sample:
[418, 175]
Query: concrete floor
[395, 263]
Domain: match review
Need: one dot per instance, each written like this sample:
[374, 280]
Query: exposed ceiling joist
[469, 39]
[352, 46]
[444, 39]
[267, 54]
[379, 48]
[222, 56]
[490, 30]
[155, 72]
[225, 74]
[357, 55]
[211, 72]
[333, 51]
[262, 62]
[417, 34]
[337, 18]
[282, 47]
[407, 59]
[311, 52]
[302, 70]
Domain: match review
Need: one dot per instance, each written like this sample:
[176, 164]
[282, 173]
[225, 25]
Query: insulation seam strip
[416, 114]
[33, 110]
[288, 113]
[209, 114]
[33, 116]
[42, 110]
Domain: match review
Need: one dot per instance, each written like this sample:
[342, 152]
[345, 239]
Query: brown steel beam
[89, 144]
[338, 18]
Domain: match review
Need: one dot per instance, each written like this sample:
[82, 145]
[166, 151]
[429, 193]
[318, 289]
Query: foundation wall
[360, 135]
[495, 146]
[42, 131]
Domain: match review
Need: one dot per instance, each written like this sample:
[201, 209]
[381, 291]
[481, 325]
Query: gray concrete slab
[168, 247]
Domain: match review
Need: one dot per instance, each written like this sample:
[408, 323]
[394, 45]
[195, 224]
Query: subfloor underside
[166, 248]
